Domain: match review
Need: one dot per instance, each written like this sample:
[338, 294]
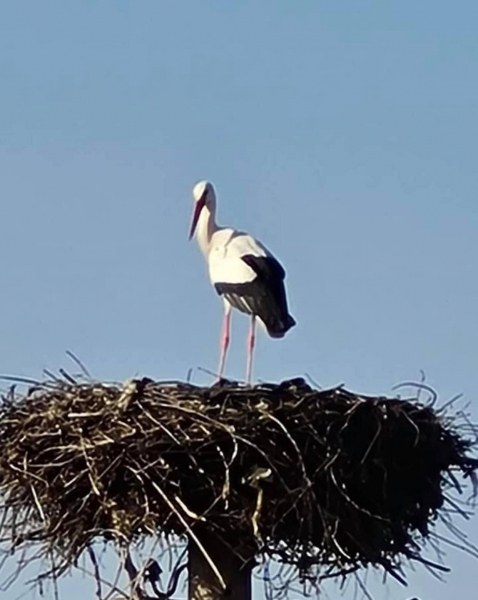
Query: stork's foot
[222, 382]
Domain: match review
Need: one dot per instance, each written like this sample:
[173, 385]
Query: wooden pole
[204, 583]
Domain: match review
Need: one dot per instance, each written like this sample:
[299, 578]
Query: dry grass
[327, 479]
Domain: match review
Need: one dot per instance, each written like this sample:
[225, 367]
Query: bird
[243, 272]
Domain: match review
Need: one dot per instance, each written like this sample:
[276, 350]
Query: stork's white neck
[205, 228]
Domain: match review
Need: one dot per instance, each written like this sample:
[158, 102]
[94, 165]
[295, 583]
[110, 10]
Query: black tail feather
[278, 330]
[254, 299]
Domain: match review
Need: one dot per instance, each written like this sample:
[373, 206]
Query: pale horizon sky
[341, 134]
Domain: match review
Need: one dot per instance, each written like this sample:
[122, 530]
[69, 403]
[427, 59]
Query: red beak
[197, 211]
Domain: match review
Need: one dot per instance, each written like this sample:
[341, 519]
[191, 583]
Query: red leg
[250, 349]
[225, 337]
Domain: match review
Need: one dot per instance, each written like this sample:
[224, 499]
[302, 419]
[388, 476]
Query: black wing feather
[264, 296]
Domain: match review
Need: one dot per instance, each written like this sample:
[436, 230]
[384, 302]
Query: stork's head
[204, 196]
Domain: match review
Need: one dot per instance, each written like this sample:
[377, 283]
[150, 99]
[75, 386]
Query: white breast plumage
[225, 257]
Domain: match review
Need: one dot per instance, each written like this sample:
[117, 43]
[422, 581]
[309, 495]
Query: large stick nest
[314, 478]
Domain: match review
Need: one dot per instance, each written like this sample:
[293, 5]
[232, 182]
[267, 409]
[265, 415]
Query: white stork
[242, 271]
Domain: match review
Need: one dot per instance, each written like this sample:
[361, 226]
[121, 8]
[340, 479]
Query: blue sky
[342, 134]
